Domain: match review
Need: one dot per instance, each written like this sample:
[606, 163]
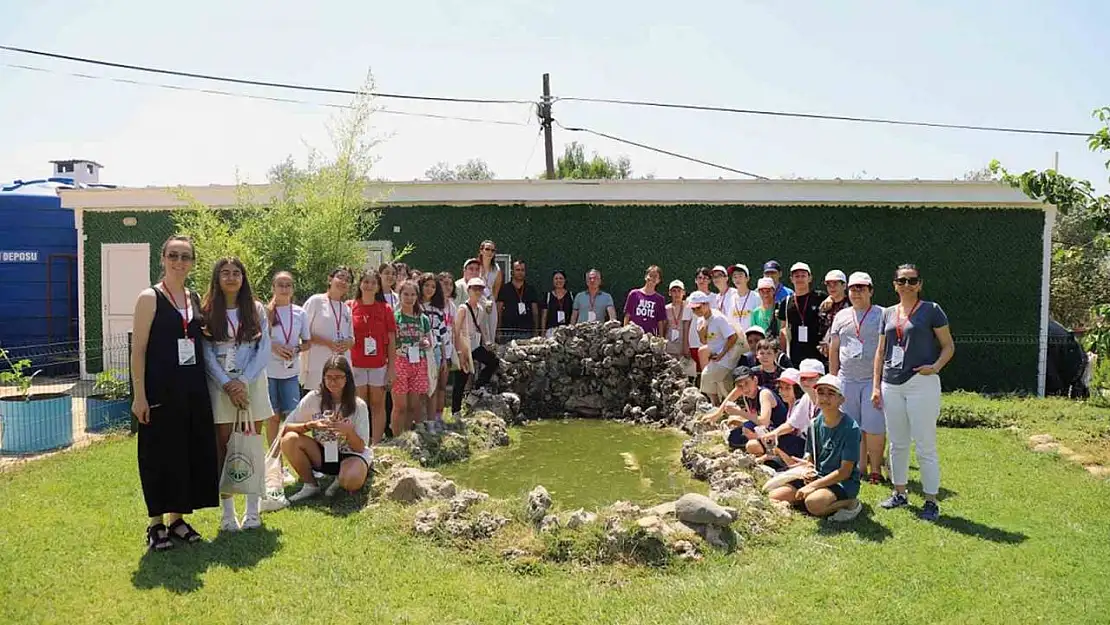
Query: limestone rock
[409, 485]
[580, 517]
[462, 502]
[685, 550]
[538, 503]
[549, 522]
[695, 508]
[426, 521]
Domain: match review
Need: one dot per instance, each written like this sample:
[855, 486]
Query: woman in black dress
[177, 439]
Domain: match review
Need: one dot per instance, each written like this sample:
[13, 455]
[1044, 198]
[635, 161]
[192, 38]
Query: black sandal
[190, 535]
[157, 538]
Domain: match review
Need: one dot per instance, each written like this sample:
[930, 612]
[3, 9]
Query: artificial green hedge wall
[982, 265]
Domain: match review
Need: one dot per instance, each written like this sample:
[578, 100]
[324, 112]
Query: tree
[983, 174]
[573, 165]
[1081, 245]
[473, 169]
[311, 223]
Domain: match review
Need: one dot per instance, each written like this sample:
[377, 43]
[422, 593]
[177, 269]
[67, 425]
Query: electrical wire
[233, 94]
[662, 151]
[255, 83]
[842, 118]
[535, 144]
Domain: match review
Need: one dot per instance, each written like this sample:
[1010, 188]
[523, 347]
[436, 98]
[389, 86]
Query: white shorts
[716, 380]
[369, 377]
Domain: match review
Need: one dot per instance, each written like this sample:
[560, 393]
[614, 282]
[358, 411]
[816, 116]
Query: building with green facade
[983, 249]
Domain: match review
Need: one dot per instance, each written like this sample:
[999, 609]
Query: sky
[1019, 63]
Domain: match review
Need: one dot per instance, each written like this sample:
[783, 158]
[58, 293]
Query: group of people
[325, 379]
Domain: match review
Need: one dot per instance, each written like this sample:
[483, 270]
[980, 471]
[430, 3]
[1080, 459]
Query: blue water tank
[38, 269]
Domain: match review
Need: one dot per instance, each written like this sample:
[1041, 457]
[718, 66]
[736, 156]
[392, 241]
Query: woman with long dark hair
[329, 433]
[559, 305]
[915, 343]
[434, 304]
[177, 443]
[375, 342]
[236, 353]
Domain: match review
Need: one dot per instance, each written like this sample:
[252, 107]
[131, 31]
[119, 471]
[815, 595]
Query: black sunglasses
[178, 256]
[914, 281]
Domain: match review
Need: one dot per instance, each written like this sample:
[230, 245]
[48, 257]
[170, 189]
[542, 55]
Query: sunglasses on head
[185, 256]
[914, 281]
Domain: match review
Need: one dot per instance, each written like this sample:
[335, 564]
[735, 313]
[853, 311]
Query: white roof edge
[538, 192]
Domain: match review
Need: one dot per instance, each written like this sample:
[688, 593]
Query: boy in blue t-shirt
[833, 488]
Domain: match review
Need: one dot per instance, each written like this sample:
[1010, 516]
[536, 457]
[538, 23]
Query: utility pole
[545, 121]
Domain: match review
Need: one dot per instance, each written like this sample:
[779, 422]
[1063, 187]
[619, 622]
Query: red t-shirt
[377, 322]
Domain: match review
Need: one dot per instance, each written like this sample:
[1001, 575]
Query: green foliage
[1081, 244]
[112, 384]
[473, 169]
[15, 374]
[573, 165]
[310, 222]
[994, 352]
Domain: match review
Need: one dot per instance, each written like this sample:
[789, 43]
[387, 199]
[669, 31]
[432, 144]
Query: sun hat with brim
[765, 283]
[859, 278]
[739, 267]
[830, 381]
[836, 275]
[677, 284]
[790, 375]
[800, 266]
[470, 261]
[811, 367]
[697, 298]
[756, 330]
[475, 282]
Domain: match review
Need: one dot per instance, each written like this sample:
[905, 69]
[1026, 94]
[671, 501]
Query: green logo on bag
[239, 467]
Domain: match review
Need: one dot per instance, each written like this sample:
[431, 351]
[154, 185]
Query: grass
[1024, 538]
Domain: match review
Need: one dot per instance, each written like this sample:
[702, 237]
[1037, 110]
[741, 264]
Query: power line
[256, 83]
[249, 96]
[662, 151]
[842, 118]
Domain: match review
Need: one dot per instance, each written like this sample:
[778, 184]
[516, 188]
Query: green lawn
[1024, 538]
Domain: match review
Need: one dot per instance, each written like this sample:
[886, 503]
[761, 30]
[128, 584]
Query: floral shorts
[412, 377]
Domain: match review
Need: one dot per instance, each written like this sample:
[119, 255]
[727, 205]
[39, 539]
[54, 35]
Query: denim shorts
[285, 394]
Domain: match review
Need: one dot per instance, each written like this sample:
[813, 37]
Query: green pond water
[582, 463]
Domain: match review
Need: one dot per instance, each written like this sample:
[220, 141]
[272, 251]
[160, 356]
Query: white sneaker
[274, 501]
[307, 491]
[288, 477]
[844, 515]
[333, 488]
[252, 521]
[229, 524]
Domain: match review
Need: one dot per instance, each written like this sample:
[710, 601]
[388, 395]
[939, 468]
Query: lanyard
[801, 311]
[721, 297]
[289, 334]
[676, 318]
[900, 322]
[519, 292]
[188, 309]
[744, 306]
[338, 314]
[859, 324]
[592, 298]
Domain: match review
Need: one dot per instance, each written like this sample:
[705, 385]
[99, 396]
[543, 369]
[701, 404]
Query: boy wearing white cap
[800, 316]
[718, 339]
[853, 340]
[679, 319]
[836, 283]
[834, 486]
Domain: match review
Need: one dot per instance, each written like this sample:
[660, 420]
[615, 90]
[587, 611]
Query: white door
[124, 272]
[377, 252]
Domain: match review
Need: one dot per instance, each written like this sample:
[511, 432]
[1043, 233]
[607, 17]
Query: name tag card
[803, 334]
[897, 355]
[560, 316]
[369, 346]
[591, 316]
[521, 308]
[414, 354]
[331, 451]
[186, 352]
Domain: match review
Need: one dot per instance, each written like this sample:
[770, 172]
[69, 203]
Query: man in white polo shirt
[718, 353]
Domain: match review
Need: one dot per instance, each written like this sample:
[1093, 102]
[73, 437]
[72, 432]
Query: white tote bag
[244, 466]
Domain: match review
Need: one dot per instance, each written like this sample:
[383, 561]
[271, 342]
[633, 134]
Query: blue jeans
[285, 394]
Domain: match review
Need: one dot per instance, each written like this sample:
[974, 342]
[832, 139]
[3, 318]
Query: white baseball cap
[473, 282]
[799, 266]
[697, 298]
[859, 278]
[790, 375]
[765, 283]
[811, 366]
[677, 284]
[755, 330]
[720, 268]
[739, 267]
[836, 275]
[832, 382]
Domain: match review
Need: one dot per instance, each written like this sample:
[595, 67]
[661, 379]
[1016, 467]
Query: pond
[583, 463]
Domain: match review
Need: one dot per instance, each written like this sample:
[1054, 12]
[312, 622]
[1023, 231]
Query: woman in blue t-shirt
[915, 343]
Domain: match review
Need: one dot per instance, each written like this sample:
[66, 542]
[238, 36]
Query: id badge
[853, 348]
[288, 364]
[674, 334]
[186, 352]
[369, 346]
[414, 354]
[897, 354]
[521, 308]
[331, 451]
[230, 365]
[591, 316]
[560, 316]
[803, 334]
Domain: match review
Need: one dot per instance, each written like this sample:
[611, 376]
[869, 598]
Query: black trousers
[489, 364]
